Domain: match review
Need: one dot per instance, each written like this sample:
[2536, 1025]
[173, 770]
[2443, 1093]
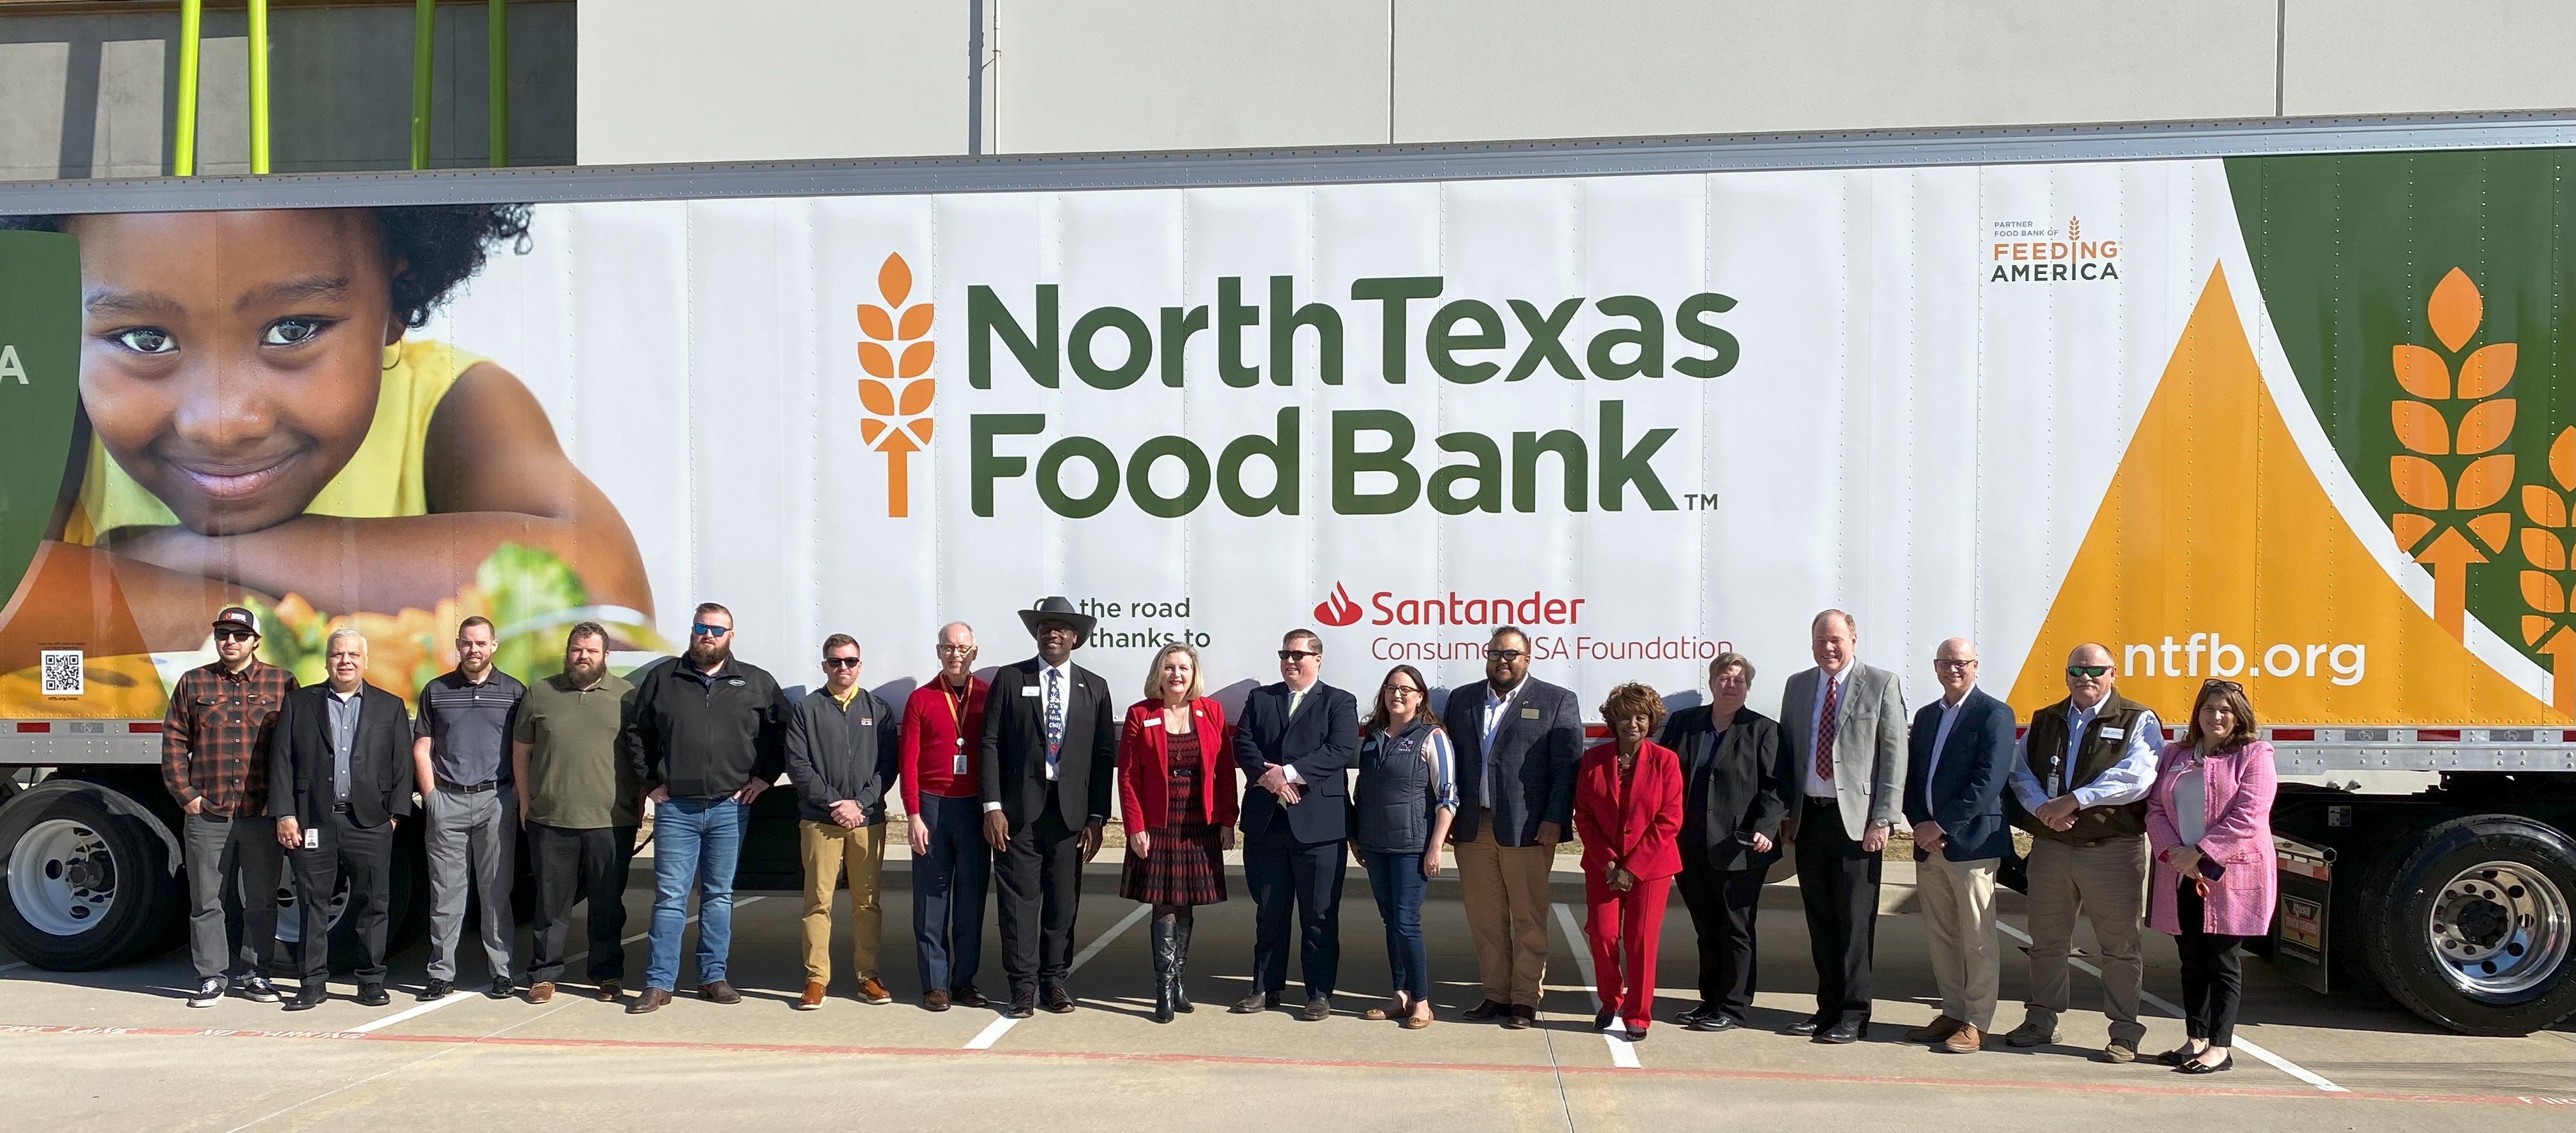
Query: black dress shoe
[1023, 1004]
[435, 990]
[1056, 1001]
[1602, 1021]
[1714, 1023]
[2194, 1066]
[1486, 1012]
[373, 995]
[1522, 1018]
[1636, 1034]
[1317, 1009]
[965, 995]
[1694, 1014]
[1840, 1033]
[1254, 1004]
[308, 997]
[1807, 1026]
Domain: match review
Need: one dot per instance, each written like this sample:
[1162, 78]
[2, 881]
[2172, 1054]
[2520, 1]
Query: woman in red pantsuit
[1176, 799]
[1627, 812]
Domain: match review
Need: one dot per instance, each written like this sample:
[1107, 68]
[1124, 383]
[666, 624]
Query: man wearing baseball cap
[214, 760]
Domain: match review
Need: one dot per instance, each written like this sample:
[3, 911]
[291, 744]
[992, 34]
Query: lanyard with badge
[957, 716]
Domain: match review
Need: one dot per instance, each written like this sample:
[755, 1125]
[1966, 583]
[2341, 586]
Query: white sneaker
[210, 991]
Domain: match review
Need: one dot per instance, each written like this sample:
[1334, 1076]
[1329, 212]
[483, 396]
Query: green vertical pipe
[496, 32]
[424, 15]
[183, 144]
[259, 86]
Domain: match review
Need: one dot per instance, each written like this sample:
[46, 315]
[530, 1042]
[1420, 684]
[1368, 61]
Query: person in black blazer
[1046, 794]
[1734, 798]
[1959, 757]
[1293, 742]
[333, 822]
[1517, 739]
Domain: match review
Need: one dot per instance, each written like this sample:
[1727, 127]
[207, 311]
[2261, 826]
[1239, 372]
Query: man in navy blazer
[1517, 739]
[1293, 741]
[1958, 760]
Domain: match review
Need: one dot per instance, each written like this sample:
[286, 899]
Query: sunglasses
[702, 629]
[1296, 654]
[2214, 682]
[1503, 654]
[235, 635]
[2088, 670]
[840, 662]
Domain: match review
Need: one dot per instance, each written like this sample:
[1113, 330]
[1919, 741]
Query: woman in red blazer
[1627, 812]
[1176, 800]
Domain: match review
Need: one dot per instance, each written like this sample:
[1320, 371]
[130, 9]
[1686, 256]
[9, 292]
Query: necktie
[1295, 698]
[1054, 719]
[1825, 732]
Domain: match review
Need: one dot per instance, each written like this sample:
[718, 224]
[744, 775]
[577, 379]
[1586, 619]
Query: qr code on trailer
[62, 668]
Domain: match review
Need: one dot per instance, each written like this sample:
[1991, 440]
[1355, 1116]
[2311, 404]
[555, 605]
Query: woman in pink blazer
[2210, 813]
[1627, 812]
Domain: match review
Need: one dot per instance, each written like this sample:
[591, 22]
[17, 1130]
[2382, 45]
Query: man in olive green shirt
[579, 801]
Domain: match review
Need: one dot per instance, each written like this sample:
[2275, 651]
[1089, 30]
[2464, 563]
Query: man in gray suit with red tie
[1845, 723]
[1293, 742]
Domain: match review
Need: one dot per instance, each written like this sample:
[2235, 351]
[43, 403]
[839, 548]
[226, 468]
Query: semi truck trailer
[2291, 404]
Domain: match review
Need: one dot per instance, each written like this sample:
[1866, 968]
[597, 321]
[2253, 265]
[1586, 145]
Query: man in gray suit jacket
[1516, 738]
[1844, 722]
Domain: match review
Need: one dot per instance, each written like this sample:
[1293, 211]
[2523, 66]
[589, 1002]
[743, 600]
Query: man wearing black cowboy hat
[1049, 745]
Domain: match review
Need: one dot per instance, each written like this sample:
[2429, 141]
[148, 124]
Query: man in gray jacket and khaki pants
[842, 758]
[1844, 724]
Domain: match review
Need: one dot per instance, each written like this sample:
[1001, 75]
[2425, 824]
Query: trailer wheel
[2470, 925]
[87, 888]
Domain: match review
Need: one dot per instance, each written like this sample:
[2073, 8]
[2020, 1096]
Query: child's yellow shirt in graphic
[382, 479]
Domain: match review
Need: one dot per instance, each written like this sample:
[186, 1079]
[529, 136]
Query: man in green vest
[2080, 780]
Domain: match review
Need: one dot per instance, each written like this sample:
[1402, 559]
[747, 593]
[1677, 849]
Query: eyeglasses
[2088, 670]
[840, 662]
[235, 635]
[1399, 690]
[702, 629]
[955, 650]
[1296, 654]
[1493, 654]
[1955, 663]
[2214, 682]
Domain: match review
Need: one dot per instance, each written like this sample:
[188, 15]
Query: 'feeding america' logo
[2024, 251]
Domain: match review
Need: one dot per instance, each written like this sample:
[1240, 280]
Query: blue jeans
[948, 893]
[1397, 881]
[693, 840]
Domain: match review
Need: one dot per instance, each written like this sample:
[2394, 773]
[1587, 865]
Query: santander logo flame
[1338, 610]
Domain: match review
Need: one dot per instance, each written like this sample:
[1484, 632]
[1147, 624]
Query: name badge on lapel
[1028, 690]
[2115, 733]
[1529, 714]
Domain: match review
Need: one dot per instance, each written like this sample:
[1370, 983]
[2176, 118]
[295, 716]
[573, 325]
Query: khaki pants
[1959, 918]
[1505, 891]
[2107, 883]
[829, 849]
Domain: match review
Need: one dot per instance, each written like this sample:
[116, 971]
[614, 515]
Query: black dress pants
[365, 855]
[1286, 875]
[577, 865]
[1040, 879]
[2213, 974]
[1723, 904]
[1838, 883]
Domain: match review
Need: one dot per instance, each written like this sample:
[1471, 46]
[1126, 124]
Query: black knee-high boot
[1181, 961]
[1163, 963]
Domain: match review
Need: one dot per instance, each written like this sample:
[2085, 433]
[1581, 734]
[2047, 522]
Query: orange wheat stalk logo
[898, 421]
[2544, 544]
[2445, 503]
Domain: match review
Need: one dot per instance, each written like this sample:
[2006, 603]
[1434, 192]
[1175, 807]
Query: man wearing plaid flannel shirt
[214, 760]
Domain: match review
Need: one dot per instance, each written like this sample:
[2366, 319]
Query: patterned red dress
[1186, 866]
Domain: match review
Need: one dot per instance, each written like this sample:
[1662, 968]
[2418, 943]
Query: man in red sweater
[943, 728]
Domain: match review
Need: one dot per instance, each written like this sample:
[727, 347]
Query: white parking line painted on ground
[994, 1030]
[1622, 1052]
[2159, 1002]
[453, 996]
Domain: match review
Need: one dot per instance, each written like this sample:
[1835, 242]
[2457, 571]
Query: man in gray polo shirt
[461, 752]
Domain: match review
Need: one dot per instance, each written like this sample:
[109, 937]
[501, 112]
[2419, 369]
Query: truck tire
[86, 887]
[2469, 924]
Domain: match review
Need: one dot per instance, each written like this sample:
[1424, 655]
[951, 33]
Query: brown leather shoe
[540, 992]
[870, 991]
[609, 992]
[718, 991]
[1966, 1040]
[648, 1000]
[934, 1001]
[812, 1000]
[1934, 1031]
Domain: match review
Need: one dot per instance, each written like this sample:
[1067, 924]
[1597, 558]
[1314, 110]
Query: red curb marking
[1285, 1063]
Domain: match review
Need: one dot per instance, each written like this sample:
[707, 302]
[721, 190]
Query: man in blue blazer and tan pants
[1293, 742]
[1959, 758]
